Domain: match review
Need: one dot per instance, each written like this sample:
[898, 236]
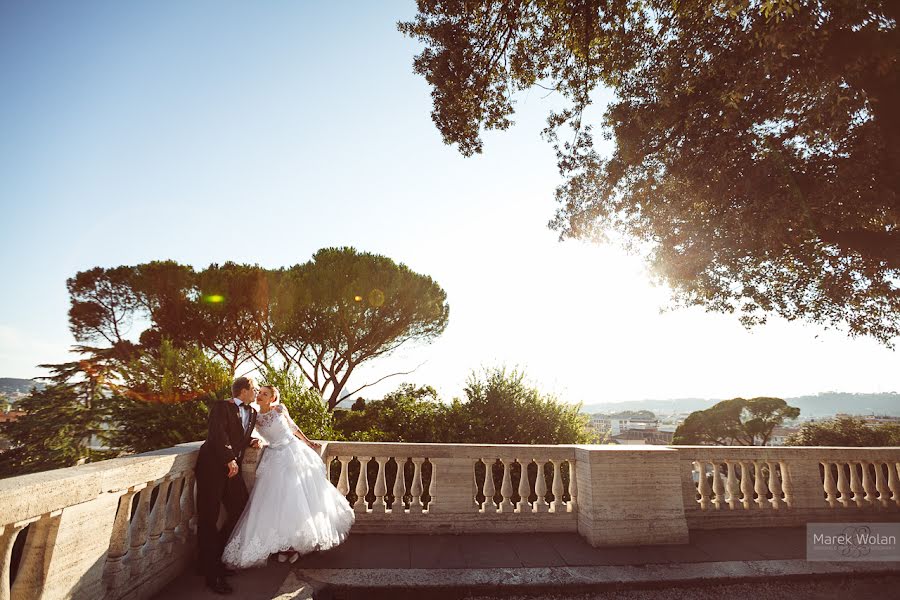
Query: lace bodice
[276, 427]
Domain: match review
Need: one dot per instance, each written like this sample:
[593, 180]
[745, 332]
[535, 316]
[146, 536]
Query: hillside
[820, 405]
[12, 385]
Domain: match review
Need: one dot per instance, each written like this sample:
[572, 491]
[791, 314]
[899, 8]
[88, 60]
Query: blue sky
[213, 131]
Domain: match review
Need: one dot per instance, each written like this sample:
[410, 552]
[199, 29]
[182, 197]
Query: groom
[218, 477]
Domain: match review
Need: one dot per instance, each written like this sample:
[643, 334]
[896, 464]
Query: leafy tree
[735, 422]
[845, 431]
[164, 398]
[344, 308]
[408, 414]
[324, 317]
[302, 402]
[757, 142]
[62, 424]
[501, 408]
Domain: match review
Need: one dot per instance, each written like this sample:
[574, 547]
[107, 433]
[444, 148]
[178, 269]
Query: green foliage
[324, 317]
[738, 422]
[408, 414]
[304, 403]
[345, 307]
[500, 409]
[60, 424]
[757, 142]
[164, 398]
[845, 431]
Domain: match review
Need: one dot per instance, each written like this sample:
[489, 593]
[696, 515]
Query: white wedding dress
[293, 504]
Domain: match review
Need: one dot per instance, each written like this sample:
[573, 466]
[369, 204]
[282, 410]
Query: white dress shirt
[244, 412]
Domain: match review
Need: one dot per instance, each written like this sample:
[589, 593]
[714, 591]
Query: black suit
[226, 441]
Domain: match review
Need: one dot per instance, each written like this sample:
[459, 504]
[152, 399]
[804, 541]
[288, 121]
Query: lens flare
[376, 298]
[357, 298]
[214, 298]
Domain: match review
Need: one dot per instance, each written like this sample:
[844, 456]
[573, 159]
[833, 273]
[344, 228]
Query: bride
[293, 508]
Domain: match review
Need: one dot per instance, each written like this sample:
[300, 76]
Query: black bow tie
[244, 406]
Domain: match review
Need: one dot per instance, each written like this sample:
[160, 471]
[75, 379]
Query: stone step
[550, 582]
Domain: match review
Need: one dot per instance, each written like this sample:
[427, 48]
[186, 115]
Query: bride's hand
[313, 445]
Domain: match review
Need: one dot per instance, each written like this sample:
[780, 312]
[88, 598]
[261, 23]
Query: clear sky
[260, 132]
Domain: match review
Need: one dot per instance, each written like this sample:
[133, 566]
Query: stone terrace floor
[555, 565]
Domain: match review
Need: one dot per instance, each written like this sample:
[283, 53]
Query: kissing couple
[293, 509]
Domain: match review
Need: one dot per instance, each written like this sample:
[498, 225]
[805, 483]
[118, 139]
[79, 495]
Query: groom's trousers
[215, 488]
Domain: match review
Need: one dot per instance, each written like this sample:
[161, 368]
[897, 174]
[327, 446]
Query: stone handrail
[123, 528]
[112, 529]
[446, 487]
[754, 486]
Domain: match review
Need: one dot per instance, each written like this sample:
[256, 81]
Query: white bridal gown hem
[293, 504]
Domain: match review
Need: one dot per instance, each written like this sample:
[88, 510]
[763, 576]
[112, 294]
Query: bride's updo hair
[275, 393]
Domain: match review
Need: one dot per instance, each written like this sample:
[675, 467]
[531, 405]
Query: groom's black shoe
[219, 586]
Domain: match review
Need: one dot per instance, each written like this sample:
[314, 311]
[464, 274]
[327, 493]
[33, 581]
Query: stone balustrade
[123, 528]
[753, 486]
[446, 487]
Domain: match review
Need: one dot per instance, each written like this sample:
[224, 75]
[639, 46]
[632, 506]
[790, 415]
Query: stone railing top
[28, 496]
[473, 451]
[819, 453]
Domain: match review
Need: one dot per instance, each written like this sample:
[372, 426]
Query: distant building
[8, 417]
[651, 437]
[780, 435]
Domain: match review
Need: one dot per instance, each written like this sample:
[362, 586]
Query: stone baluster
[488, 488]
[718, 486]
[380, 505]
[854, 484]
[172, 516]
[343, 485]
[786, 486]
[187, 507]
[759, 486]
[881, 485]
[475, 487]
[540, 489]
[506, 489]
[842, 485]
[573, 487]
[524, 486]
[746, 486]
[432, 485]
[114, 570]
[893, 482]
[731, 486]
[362, 486]
[415, 488]
[868, 484]
[828, 483]
[702, 485]
[774, 486]
[31, 576]
[158, 519]
[137, 534]
[397, 508]
[557, 505]
[7, 539]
